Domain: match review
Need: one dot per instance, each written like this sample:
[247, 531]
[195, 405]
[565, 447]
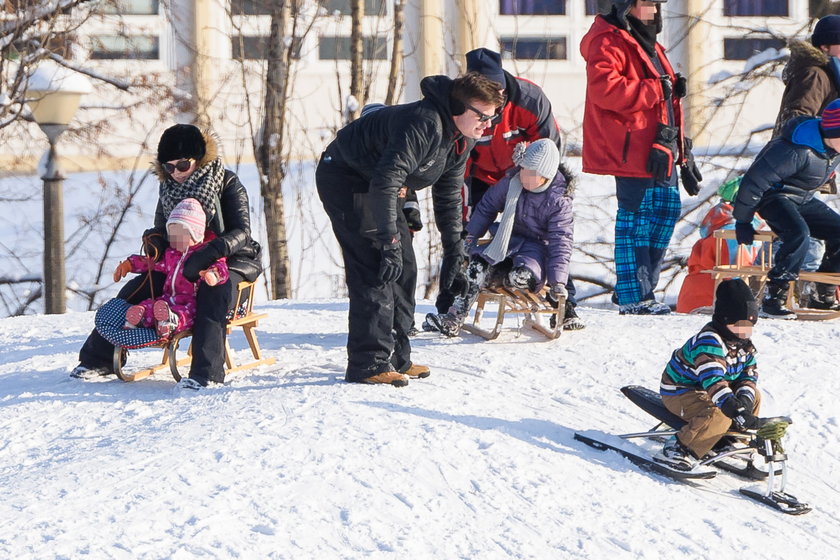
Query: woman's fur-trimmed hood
[802, 55]
[211, 147]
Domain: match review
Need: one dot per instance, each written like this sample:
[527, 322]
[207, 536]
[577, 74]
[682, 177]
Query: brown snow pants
[706, 423]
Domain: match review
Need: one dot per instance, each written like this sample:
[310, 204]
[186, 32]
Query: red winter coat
[526, 116]
[624, 102]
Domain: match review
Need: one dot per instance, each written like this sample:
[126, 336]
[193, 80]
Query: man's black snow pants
[380, 314]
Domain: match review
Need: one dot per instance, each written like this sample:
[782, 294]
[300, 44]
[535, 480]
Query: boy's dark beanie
[180, 142]
[734, 301]
[488, 63]
[827, 31]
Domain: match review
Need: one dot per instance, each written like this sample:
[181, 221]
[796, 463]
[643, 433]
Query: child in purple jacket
[174, 310]
[532, 245]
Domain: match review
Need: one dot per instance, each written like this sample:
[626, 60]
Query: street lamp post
[54, 94]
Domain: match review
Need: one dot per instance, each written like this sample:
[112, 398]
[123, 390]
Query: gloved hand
[391, 263]
[745, 397]
[742, 418]
[667, 86]
[689, 174]
[202, 259]
[122, 269]
[556, 292]
[411, 210]
[680, 86]
[469, 244]
[660, 162]
[744, 233]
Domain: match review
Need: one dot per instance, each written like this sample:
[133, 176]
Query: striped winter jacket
[706, 362]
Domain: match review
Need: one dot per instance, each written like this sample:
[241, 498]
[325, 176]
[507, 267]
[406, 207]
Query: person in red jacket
[633, 130]
[525, 116]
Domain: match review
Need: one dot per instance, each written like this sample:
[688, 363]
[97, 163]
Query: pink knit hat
[190, 214]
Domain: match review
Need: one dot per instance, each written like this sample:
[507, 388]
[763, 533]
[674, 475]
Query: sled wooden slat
[248, 322]
[755, 275]
[514, 301]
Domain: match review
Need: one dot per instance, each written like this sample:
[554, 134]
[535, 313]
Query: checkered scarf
[204, 185]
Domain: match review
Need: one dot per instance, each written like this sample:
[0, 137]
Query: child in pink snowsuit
[174, 310]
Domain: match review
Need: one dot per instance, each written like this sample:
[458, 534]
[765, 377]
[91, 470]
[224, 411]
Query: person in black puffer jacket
[362, 179]
[188, 165]
[781, 185]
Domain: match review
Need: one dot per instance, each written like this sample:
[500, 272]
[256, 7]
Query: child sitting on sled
[174, 310]
[710, 380]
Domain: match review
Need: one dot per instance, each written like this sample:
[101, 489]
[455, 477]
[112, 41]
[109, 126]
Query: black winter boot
[824, 297]
[774, 305]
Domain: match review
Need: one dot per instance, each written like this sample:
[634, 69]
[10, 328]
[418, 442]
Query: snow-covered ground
[477, 461]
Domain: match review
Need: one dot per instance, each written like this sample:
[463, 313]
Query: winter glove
[556, 292]
[391, 263]
[122, 269]
[201, 260]
[667, 86]
[411, 210]
[680, 86]
[660, 162]
[744, 233]
[469, 244]
[746, 398]
[689, 173]
[741, 417]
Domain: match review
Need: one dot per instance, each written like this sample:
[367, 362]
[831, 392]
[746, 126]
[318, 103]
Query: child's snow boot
[676, 455]
[166, 319]
[134, 316]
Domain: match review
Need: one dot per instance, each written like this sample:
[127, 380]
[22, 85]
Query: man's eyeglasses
[181, 165]
[481, 116]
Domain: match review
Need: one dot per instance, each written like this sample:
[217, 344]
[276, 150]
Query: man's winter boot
[824, 297]
[571, 321]
[429, 324]
[774, 305]
[676, 455]
[416, 371]
[449, 324]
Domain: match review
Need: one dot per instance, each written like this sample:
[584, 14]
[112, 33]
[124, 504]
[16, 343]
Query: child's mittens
[122, 270]
[210, 276]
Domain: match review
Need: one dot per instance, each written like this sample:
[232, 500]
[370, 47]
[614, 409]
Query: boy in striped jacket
[710, 380]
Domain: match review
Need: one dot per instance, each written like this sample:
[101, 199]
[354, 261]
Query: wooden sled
[536, 308]
[247, 320]
[755, 275]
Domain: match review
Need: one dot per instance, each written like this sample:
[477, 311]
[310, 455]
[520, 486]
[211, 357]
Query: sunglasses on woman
[181, 165]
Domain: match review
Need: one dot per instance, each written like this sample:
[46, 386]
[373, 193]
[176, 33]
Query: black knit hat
[181, 141]
[827, 31]
[488, 63]
[734, 301]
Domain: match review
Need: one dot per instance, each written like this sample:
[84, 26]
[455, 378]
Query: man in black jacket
[188, 166]
[780, 185]
[362, 180]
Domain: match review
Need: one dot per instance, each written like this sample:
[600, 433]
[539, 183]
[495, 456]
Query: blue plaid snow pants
[644, 223]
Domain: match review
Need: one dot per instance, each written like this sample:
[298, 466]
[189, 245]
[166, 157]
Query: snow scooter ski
[764, 442]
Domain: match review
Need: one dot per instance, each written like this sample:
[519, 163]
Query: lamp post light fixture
[53, 94]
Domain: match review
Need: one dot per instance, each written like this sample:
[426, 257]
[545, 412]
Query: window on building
[255, 47]
[541, 48]
[130, 7]
[372, 7]
[742, 49]
[338, 48]
[250, 7]
[113, 47]
[820, 8]
[594, 7]
[532, 7]
[755, 8]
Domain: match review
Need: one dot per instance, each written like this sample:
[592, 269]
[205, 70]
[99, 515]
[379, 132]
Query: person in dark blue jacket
[781, 185]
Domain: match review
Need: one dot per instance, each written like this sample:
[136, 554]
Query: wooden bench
[755, 274]
[244, 318]
[514, 301]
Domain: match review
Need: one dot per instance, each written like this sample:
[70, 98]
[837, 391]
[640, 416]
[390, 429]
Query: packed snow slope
[477, 462]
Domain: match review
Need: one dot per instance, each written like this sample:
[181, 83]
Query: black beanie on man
[827, 31]
[487, 63]
[734, 301]
[181, 141]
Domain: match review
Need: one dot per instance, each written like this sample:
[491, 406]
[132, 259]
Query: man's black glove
[689, 173]
[660, 162]
[741, 417]
[667, 86]
[680, 86]
[744, 233]
[746, 398]
[391, 261]
[202, 259]
[411, 210]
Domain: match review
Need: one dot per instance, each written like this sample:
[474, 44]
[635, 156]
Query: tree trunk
[396, 53]
[357, 46]
[270, 150]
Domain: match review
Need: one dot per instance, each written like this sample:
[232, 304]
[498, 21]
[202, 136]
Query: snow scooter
[764, 442]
